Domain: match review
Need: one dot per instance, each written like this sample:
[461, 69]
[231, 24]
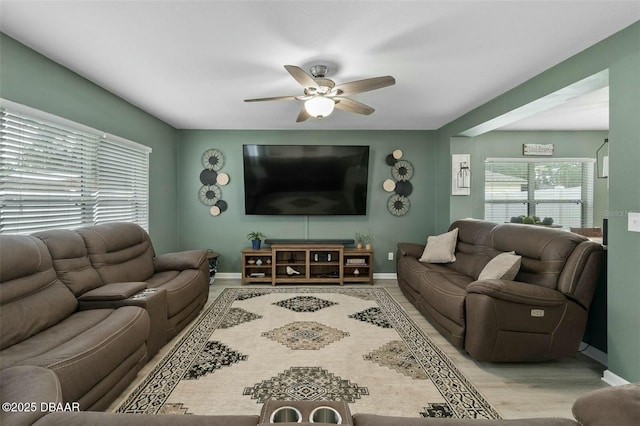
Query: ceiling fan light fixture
[321, 95]
[319, 106]
[319, 71]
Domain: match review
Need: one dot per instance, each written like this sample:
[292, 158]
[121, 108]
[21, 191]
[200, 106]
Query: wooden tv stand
[307, 264]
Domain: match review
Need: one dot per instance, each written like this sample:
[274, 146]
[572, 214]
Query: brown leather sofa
[114, 261]
[618, 406]
[93, 305]
[540, 315]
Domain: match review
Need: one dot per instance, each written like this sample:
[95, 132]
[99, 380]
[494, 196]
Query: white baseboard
[595, 354]
[385, 276]
[229, 275]
[238, 275]
[613, 379]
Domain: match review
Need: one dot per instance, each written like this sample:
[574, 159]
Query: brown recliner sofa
[92, 305]
[115, 261]
[94, 353]
[539, 315]
[613, 406]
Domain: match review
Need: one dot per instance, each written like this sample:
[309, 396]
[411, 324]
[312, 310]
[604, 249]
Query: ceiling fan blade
[350, 105]
[359, 86]
[274, 98]
[301, 77]
[303, 115]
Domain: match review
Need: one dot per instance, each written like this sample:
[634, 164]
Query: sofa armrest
[581, 272]
[618, 405]
[27, 387]
[152, 300]
[366, 419]
[509, 321]
[97, 418]
[410, 249]
[114, 291]
[517, 292]
[179, 261]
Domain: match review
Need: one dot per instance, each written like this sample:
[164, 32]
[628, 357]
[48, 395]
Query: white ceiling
[191, 63]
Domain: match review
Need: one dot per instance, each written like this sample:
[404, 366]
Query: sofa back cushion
[120, 251]
[544, 250]
[31, 296]
[71, 260]
[470, 253]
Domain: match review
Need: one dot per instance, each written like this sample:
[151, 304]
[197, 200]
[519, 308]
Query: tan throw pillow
[441, 248]
[504, 266]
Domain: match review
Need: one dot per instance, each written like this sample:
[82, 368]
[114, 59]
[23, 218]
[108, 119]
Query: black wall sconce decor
[602, 159]
[460, 174]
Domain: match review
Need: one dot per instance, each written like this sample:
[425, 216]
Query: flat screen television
[305, 179]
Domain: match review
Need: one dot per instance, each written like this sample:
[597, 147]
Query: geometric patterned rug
[307, 343]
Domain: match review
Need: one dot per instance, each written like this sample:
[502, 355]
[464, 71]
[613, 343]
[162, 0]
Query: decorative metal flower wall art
[211, 179]
[398, 205]
[402, 172]
[212, 159]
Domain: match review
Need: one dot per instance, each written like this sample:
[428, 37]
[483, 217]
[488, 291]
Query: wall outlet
[390, 256]
[634, 222]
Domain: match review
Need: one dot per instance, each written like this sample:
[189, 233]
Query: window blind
[122, 190]
[58, 174]
[561, 189]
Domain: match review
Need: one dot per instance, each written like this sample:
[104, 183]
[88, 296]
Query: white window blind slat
[59, 174]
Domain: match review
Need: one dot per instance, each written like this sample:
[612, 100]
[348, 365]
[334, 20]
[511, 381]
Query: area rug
[307, 343]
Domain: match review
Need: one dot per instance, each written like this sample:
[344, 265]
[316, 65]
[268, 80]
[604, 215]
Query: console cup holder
[325, 415]
[286, 414]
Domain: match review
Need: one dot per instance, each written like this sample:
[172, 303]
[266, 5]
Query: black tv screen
[305, 179]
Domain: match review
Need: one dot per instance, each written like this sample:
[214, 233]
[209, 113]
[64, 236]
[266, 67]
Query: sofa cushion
[504, 266]
[440, 248]
[71, 260]
[84, 348]
[445, 292]
[119, 251]
[470, 252]
[544, 251]
[442, 288]
[32, 298]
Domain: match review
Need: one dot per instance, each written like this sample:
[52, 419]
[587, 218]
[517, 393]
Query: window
[561, 189]
[58, 174]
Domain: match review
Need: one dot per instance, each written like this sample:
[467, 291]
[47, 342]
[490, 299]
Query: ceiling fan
[321, 95]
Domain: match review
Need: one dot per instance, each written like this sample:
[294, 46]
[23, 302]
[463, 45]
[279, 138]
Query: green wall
[624, 196]
[620, 54]
[28, 78]
[508, 144]
[227, 232]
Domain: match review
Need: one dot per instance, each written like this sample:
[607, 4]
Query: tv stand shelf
[307, 264]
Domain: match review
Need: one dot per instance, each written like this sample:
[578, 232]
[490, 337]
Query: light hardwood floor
[515, 390]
